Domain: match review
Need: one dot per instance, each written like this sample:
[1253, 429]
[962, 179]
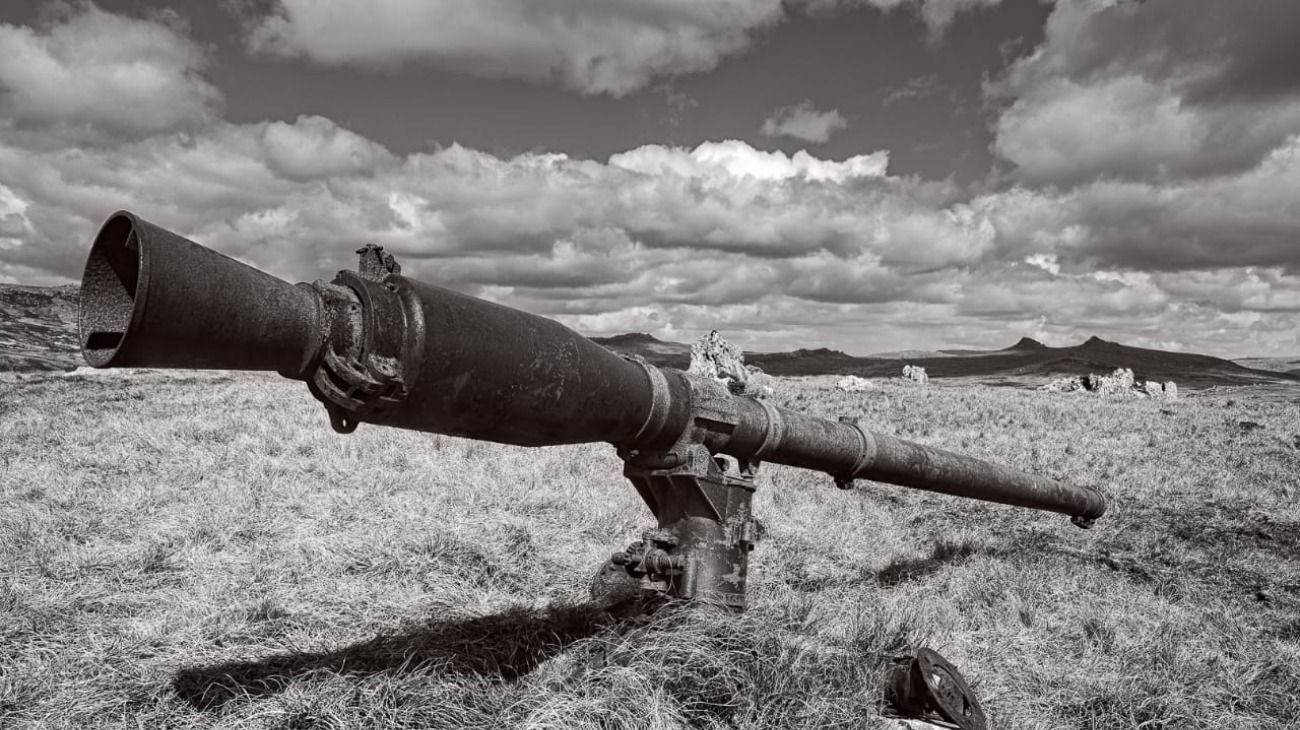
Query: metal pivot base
[930, 684]
[700, 551]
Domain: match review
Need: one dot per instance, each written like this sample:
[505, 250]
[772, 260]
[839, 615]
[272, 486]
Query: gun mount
[377, 347]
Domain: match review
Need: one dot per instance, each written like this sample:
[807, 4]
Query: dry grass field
[202, 551]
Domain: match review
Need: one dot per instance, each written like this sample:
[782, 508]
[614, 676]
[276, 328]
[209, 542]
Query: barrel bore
[108, 290]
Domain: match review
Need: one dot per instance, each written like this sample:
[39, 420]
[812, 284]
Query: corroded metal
[930, 685]
[377, 347]
[706, 529]
[150, 298]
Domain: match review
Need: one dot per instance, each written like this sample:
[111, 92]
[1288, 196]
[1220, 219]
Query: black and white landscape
[1010, 194]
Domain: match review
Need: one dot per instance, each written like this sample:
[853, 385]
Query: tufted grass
[201, 550]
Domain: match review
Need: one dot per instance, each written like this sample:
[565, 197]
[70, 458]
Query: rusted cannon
[377, 347]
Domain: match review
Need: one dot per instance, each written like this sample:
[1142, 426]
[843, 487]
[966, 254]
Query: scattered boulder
[916, 374]
[758, 383]
[1073, 384]
[1119, 383]
[854, 384]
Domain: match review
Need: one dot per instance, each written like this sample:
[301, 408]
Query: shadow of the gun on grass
[506, 645]
[946, 552]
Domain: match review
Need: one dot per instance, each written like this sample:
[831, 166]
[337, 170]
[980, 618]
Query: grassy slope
[198, 551]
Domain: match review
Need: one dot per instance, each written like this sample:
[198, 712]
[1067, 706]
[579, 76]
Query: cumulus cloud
[938, 15]
[802, 121]
[315, 147]
[612, 47]
[736, 160]
[779, 250]
[1156, 90]
[96, 76]
[784, 250]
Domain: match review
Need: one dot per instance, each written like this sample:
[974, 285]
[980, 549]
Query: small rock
[758, 383]
[854, 384]
[1171, 390]
[1064, 385]
[1153, 389]
[916, 374]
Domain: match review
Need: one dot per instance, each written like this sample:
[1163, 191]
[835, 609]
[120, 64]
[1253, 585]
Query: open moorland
[200, 550]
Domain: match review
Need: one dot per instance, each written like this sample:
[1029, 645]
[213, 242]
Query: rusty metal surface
[936, 470]
[498, 374]
[750, 429]
[930, 685]
[706, 531]
[151, 298]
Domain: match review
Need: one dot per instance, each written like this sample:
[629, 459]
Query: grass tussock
[201, 550]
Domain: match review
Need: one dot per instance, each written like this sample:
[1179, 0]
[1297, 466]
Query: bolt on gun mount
[377, 347]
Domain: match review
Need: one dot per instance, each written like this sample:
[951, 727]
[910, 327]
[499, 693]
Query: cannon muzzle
[151, 298]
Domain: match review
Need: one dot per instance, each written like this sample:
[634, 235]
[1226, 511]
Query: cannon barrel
[375, 346]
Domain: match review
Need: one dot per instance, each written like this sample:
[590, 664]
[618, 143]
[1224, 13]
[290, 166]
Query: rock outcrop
[916, 374]
[1072, 384]
[714, 357]
[1121, 382]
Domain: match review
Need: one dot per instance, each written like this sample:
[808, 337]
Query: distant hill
[1275, 364]
[678, 355]
[668, 354]
[38, 328]
[1026, 360]
[1026, 344]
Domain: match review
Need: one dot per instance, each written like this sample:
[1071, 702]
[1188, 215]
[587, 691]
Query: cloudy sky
[866, 175]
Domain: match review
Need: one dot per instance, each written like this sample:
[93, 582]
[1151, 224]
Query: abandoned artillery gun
[377, 347]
